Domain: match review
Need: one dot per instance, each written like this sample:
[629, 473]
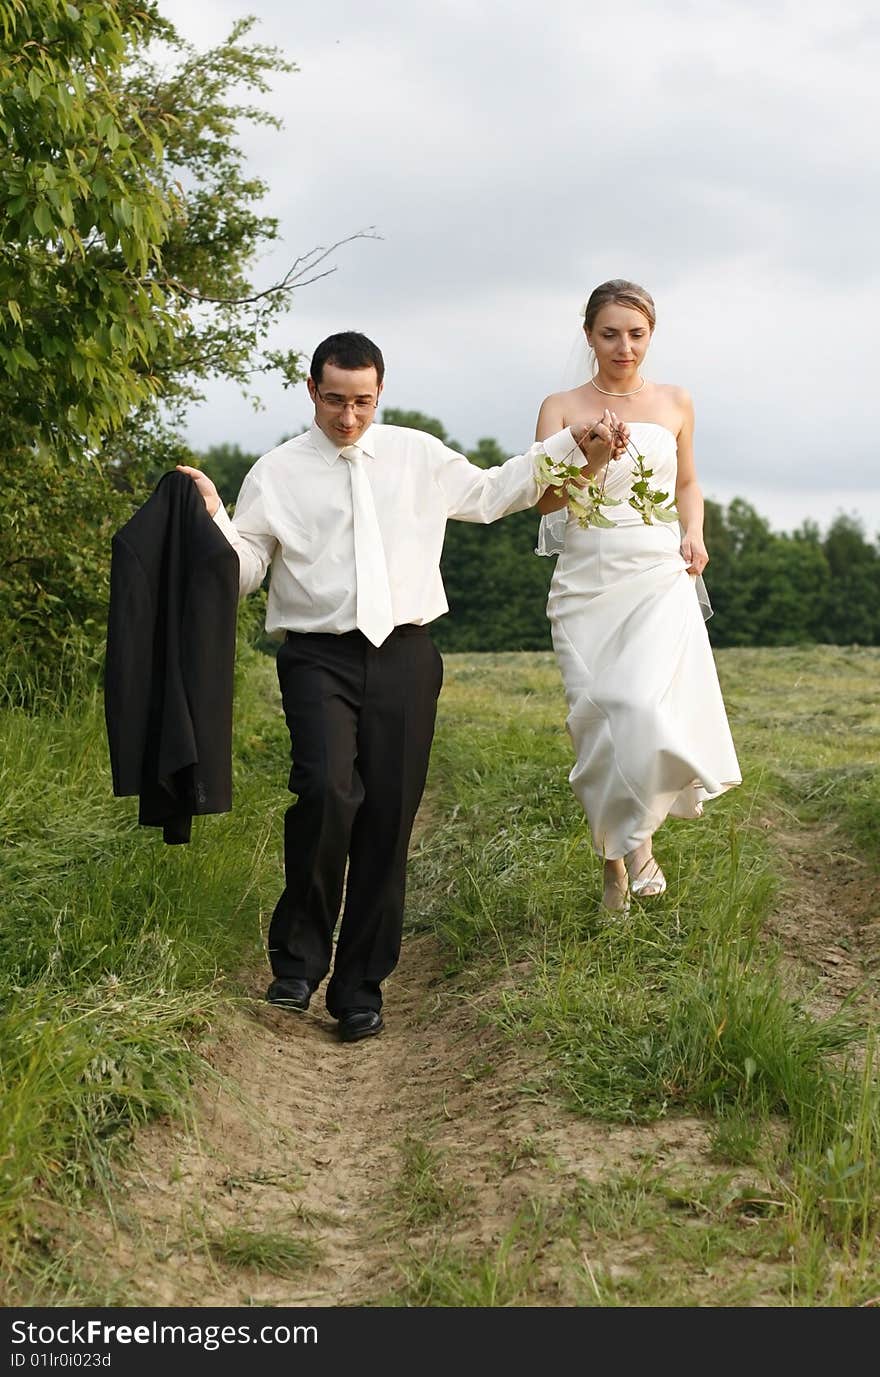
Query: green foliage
[651, 503]
[277, 1254]
[227, 466]
[788, 589]
[127, 234]
[852, 607]
[116, 950]
[424, 1192]
[79, 1067]
[685, 1006]
[496, 586]
[500, 1275]
[85, 209]
[111, 943]
[417, 420]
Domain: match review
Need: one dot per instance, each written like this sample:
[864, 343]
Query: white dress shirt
[294, 513]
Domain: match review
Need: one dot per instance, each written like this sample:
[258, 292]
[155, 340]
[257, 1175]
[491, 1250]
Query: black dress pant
[361, 723]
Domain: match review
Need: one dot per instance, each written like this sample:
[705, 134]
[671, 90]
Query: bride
[646, 716]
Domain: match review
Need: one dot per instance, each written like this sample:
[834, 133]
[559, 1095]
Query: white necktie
[374, 615]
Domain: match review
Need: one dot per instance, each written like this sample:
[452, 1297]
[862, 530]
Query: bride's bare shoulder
[555, 399]
[569, 403]
[674, 407]
[674, 394]
[553, 406]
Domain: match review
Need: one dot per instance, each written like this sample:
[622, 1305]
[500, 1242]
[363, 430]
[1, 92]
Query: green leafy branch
[584, 495]
[647, 501]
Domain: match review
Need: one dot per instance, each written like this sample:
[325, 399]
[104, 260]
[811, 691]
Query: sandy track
[302, 1135]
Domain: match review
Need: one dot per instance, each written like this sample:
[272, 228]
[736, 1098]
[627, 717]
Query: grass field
[118, 954]
[683, 1008]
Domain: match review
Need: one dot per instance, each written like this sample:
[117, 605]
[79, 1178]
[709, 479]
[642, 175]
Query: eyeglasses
[361, 406]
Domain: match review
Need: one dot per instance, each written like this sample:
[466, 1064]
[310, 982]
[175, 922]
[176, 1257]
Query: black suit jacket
[170, 659]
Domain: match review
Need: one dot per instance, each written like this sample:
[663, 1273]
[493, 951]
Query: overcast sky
[514, 155]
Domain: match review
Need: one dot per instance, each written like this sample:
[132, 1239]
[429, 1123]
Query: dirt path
[307, 1137]
[303, 1137]
[300, 1135]
[827, 918]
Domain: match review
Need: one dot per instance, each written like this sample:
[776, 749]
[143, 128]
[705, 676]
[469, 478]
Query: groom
[350, 518]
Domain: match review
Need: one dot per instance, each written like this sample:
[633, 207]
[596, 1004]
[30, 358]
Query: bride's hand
[601, 440]
[694, 553]
[619, 433]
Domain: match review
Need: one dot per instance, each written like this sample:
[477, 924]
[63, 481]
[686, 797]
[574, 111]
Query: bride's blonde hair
[621, 293]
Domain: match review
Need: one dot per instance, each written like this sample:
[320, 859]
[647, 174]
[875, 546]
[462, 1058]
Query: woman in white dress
[646, 715]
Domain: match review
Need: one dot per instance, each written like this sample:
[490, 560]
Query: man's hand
[204, 485]
[601, 441]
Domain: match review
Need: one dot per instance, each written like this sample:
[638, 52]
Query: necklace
[606, 393]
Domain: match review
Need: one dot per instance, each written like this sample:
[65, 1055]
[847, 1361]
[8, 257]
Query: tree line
[766, 587]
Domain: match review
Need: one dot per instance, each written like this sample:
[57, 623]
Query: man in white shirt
[350, 517]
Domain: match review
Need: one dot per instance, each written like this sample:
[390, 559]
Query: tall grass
[682, 1005]
[116, 952]
[113, 947]
[812, 713]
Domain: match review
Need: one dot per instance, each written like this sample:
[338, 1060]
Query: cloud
[512, 158]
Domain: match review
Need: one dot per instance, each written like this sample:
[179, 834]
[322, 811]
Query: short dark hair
[347, 350]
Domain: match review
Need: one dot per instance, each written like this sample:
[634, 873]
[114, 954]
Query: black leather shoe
[289, 992]
[355, 1024]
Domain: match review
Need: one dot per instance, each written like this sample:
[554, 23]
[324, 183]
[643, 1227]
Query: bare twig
[294, 277]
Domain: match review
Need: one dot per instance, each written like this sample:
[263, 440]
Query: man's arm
[550, 420]
[475, 494]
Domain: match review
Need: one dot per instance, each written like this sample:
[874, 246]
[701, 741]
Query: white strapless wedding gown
[646, 715]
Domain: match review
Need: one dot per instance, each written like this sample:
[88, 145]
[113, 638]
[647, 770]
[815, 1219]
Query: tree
[417, 420]
[737, 541]
[766, 588]
[227, 465]
[795, 578]
[84, 212]
[128, 232]
[853, 608]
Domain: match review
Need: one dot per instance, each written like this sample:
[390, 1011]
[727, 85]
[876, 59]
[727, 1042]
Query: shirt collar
[330, 451]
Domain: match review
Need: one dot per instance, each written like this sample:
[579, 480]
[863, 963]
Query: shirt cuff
[555, 456]
[562, 448]
[221, 519]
